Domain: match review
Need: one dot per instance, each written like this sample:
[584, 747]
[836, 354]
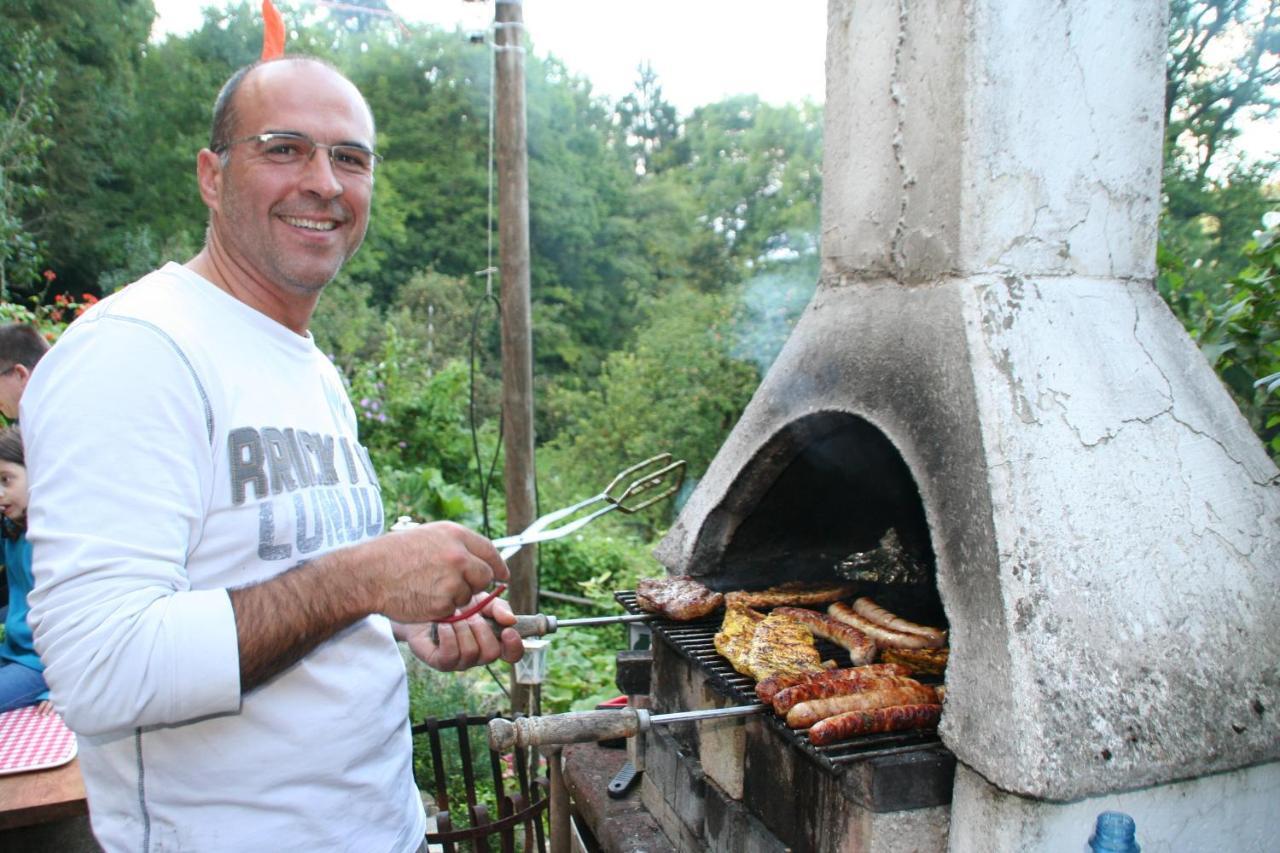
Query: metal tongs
[652, 474]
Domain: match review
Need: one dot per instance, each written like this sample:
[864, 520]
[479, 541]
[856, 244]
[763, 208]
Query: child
[21, 673]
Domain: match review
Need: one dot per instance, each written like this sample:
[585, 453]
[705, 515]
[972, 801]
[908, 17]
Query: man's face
[291, 227]
[12, 382]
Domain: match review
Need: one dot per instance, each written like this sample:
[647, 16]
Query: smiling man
[216, 605]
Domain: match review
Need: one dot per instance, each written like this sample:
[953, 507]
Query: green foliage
[759, 170]
[51, 319]
[97, 46]
[1238, 328]
[26, 113]
[678, 390]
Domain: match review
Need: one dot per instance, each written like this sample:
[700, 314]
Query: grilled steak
[782, 645]
[679, 598]
[796, 593]
[733, 640]
[761, 646]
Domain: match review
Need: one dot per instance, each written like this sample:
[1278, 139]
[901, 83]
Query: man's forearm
[280, 620]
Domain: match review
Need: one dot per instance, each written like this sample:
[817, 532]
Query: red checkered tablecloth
[32, 741]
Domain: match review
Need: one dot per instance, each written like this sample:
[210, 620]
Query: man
[214, 606]
[21, 346]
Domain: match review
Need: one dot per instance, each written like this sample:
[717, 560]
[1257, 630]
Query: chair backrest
[449, 772]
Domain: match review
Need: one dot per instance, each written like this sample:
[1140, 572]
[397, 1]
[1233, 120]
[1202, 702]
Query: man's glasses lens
[289, 149]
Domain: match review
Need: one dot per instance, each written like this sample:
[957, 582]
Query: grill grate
[694, 640]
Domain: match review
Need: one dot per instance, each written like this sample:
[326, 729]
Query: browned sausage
[893, 690]
[895, 718]
[868, 609]
[853, 681]
[886, 637]
[769, 687]
[861, 648]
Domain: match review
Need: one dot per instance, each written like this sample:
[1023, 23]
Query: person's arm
[412, 576]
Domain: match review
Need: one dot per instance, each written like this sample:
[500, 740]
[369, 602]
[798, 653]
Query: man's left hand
[454, 646]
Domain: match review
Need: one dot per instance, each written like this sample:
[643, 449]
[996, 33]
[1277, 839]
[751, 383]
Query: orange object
[272, 32]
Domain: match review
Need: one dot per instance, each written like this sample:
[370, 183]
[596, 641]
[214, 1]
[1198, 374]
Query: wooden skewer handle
[575, 727]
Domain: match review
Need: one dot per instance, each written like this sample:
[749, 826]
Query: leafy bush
[1238, 327]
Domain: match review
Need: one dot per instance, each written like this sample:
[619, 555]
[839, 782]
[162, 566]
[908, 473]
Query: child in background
[21, 673]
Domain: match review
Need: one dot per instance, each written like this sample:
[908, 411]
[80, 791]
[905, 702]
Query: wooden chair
[521, 801]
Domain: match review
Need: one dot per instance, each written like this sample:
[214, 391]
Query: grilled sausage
[884, 637]
[893, 690]
[868, 609]
[861, 648]
[919, 661]
[895, 718]
[851, 680]
[769, 687]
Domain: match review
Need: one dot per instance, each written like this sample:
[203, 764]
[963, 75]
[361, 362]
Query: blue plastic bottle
[1114, 833]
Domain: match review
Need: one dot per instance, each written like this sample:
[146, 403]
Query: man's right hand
[418, 575]
[425, 573]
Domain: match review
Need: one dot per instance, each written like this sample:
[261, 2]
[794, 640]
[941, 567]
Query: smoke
[770, 304]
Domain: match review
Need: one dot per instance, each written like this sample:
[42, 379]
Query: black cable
[485, 481]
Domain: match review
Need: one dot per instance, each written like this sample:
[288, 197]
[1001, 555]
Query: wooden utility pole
[517, 337]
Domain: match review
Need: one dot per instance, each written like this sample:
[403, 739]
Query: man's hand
[470, 642]
[411, 576]
[428, 572]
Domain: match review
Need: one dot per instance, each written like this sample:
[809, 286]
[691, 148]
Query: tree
[26, 108]
[647, 123]
[757, 171]
[1223, 70]
[97, 46]
[1207, 98]
[676, 389]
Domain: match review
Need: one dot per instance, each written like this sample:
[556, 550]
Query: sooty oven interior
[828, 497]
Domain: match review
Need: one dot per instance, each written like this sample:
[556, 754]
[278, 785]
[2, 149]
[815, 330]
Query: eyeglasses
[295, 149]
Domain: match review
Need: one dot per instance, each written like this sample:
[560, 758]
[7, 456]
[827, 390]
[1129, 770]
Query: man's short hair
[21, 344]
[223, 129]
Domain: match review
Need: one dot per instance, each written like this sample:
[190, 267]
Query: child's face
[13, 491]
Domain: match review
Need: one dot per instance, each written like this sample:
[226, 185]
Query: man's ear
[209, 176]
[23, 373]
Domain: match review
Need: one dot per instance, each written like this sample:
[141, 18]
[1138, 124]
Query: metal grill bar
[695, 642]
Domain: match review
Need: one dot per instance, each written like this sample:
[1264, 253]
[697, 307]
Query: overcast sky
[702, 50]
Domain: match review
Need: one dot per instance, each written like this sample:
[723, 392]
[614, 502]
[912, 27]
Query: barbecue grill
[693, 641]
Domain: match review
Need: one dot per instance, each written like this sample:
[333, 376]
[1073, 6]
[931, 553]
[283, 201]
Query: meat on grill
[894, 718]
[852, 680]
[890, 690]
[680, 598]
[761, 647]
[868, 609]
[861, 648]
[884, 637]
[771, 686]
[782, 645]
[733, 640]
[919, 661]
[793, 593]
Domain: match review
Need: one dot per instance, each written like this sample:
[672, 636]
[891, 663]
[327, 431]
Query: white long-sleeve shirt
[179, 444]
